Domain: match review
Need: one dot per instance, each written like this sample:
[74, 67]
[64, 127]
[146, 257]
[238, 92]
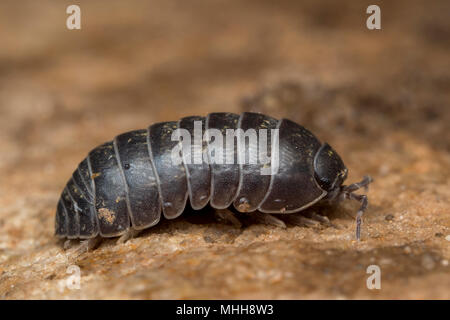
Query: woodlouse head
[329, 169]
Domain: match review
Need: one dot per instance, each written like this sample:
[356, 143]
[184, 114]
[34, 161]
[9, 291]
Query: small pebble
[389, 217]
[447, 238]
[444, 262]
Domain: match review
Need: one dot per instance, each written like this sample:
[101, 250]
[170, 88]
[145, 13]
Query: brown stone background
[380, 98]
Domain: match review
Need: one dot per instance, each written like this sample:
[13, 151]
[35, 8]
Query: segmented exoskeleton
[127, 183]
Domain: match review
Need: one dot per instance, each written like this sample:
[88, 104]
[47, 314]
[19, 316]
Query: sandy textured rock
[380, 98]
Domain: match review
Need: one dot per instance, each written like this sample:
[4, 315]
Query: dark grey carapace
[126, 184]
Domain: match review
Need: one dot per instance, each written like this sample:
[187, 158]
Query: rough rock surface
[380, 98]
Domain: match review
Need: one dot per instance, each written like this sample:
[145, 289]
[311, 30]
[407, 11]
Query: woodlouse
[125, 184]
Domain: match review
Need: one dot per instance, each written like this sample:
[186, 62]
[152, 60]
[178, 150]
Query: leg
[67, 244]
[363, 200]
[300, 220]
[347, 192]
[129, 234]
[85, 246]
[323, 219]
[266, 218]
[227, 215]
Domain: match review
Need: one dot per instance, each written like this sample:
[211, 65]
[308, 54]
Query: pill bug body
[131, 181]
